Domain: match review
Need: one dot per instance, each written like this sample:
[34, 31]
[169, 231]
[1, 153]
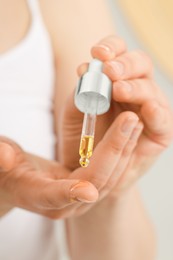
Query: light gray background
[157, 185]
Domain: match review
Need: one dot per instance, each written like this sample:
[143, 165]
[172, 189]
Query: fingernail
[123, 85]
[137, 131]
[117, 68]
[129, 125]
[78, 192]
[104, 47]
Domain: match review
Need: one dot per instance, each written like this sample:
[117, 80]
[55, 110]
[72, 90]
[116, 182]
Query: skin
[128, 139]
[152, 133]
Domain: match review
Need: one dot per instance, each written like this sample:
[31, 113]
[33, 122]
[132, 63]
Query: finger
[125, 158]
[82, 69]
[129, 65]
[158, 121]
[109, 150]
[136, 91]
[7, 157]
[61, 193]
[108, 48]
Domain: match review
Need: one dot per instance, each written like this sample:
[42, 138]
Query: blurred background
[147, 25]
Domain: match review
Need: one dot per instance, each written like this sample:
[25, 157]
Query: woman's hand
[47, 188]
[38, 185]
[135, 91]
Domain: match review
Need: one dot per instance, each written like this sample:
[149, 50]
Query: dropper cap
[93, 93]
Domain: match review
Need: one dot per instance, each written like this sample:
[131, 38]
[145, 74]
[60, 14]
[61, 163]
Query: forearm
[112, 230]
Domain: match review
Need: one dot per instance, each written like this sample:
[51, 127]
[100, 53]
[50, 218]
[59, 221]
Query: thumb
[61, 193]
[82, 69]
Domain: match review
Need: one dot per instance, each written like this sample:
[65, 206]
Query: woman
[101, 203]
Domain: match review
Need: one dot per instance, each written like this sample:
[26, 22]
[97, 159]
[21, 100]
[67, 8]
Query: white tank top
[26, 90]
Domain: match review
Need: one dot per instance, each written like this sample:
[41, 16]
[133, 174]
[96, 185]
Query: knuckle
[128, 62]
[134, 84]
[124, 95]
[116, 147]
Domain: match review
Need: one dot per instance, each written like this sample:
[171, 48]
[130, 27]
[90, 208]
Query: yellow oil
[86, 149]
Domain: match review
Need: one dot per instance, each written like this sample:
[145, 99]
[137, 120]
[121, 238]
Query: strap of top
[35, 9]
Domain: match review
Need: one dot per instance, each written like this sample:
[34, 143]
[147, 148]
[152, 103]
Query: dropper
[87, 139]
[93, 96]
